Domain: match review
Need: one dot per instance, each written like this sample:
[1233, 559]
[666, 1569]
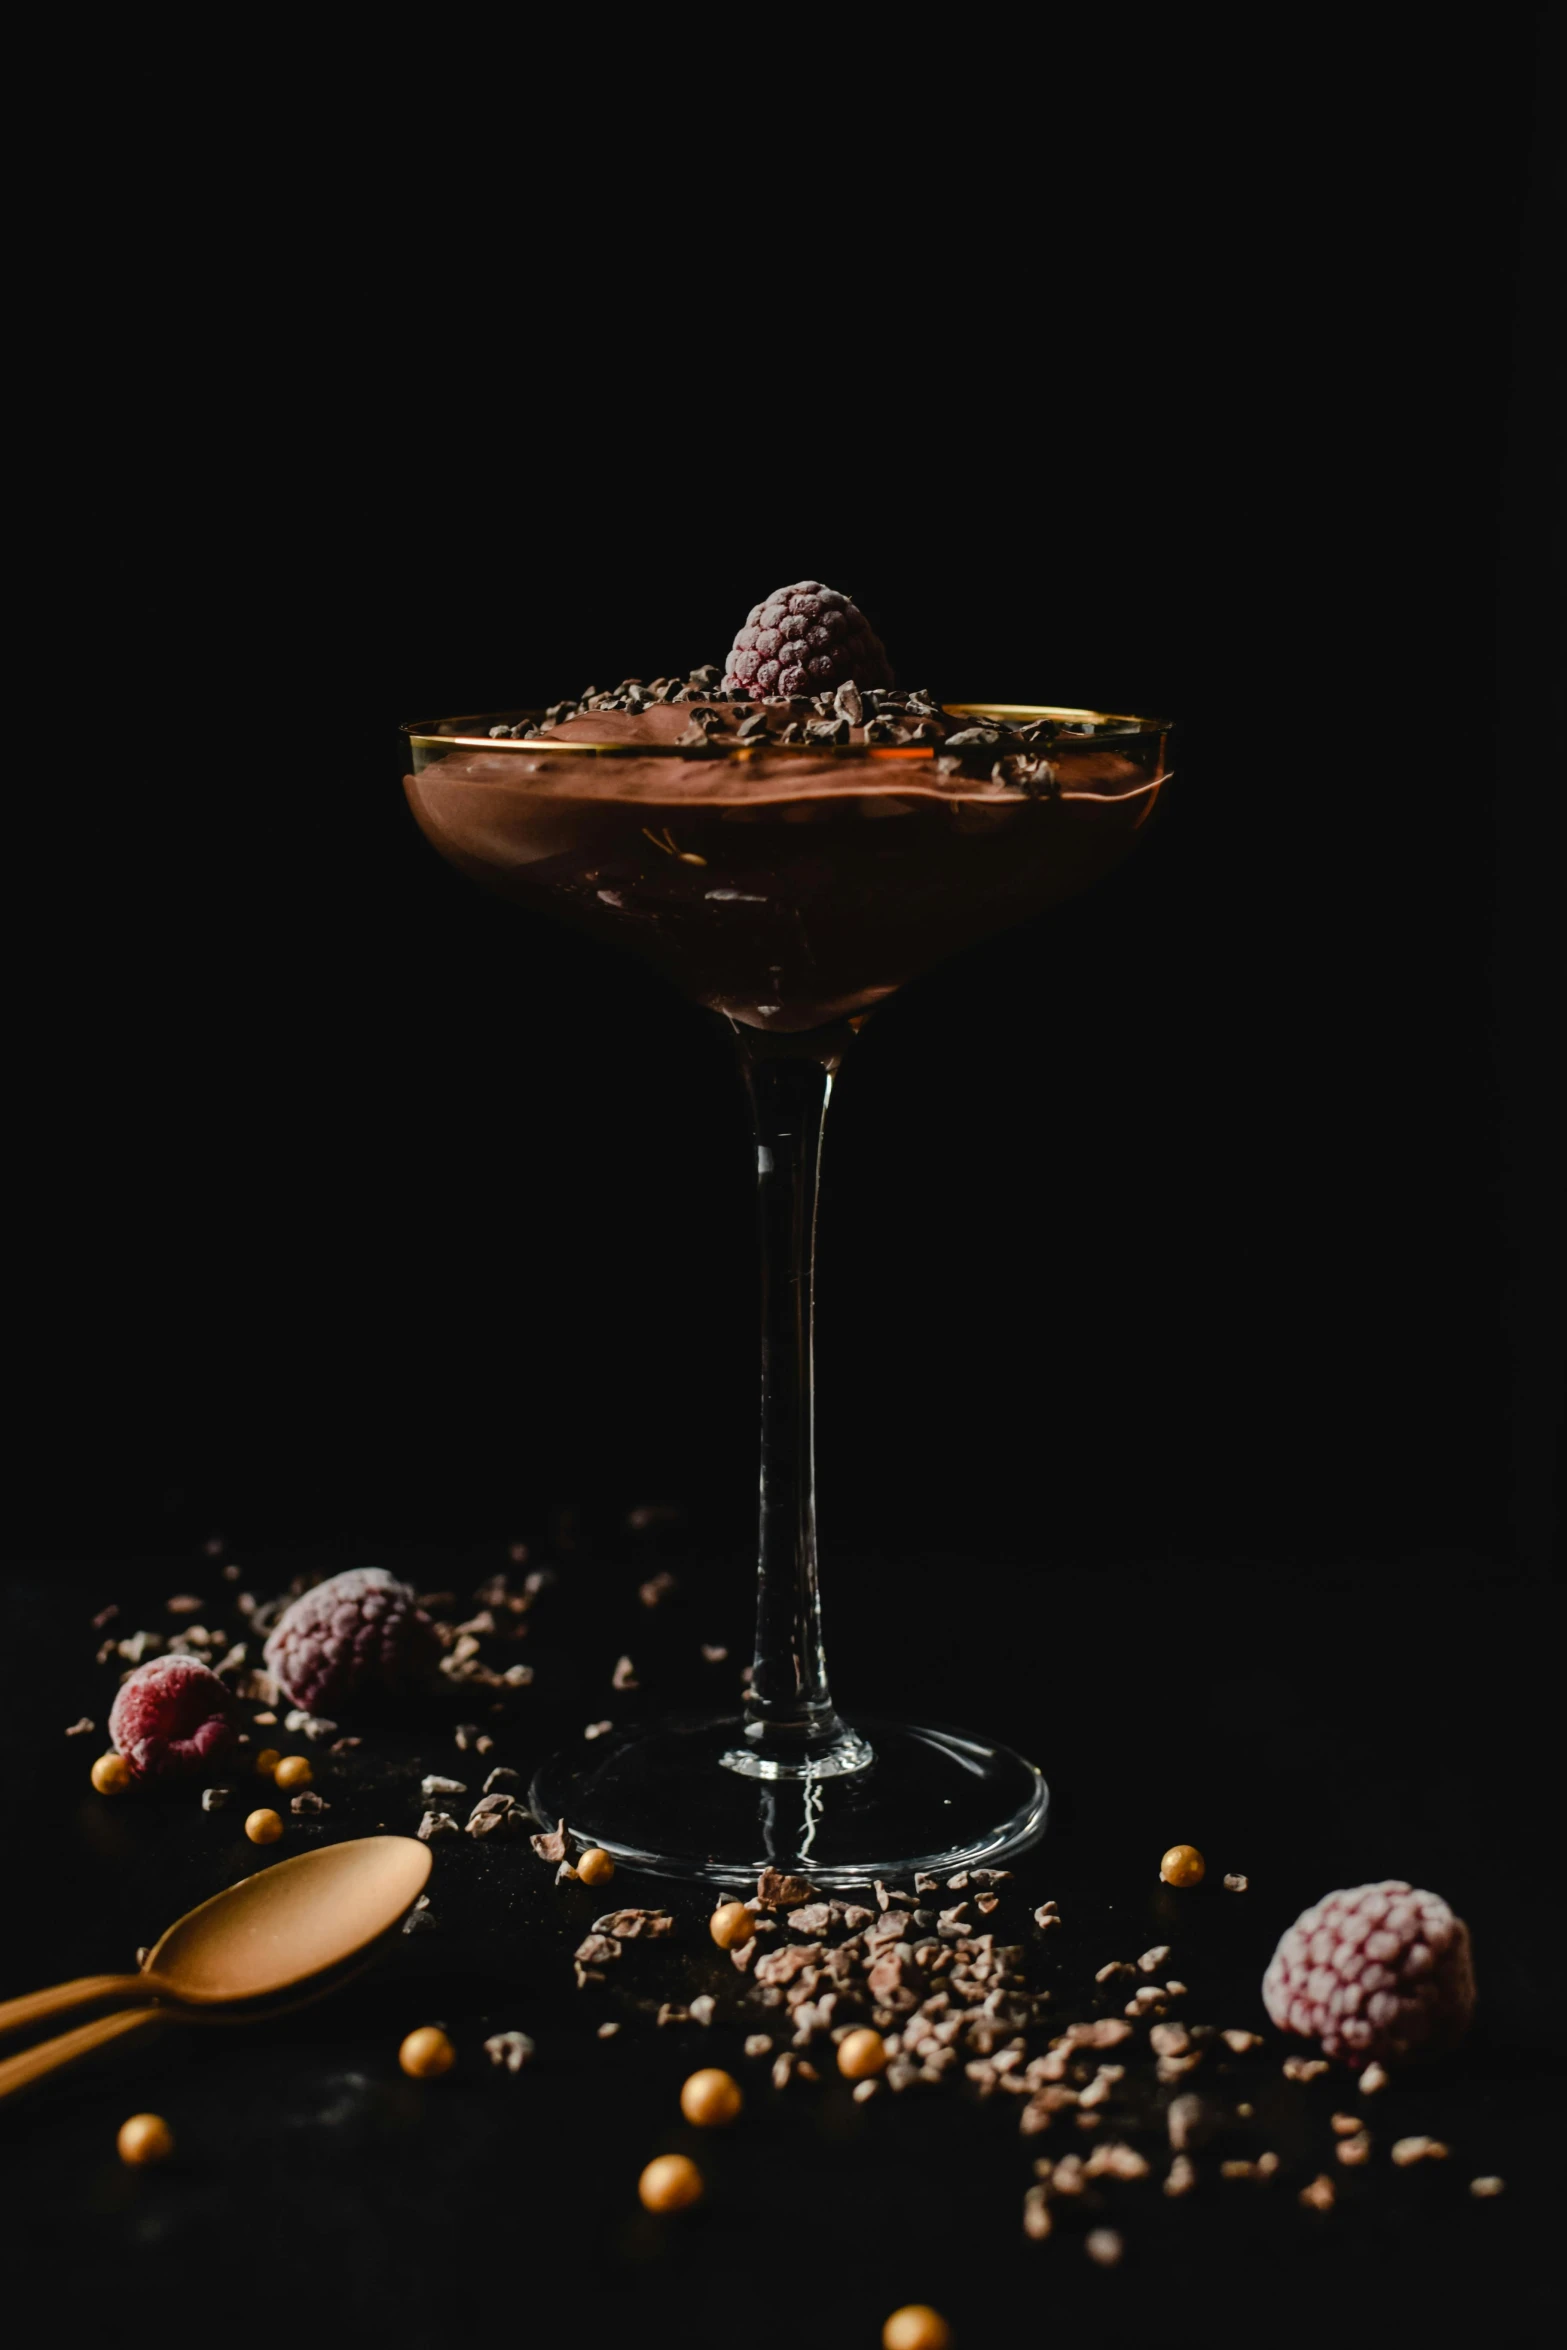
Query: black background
[1195, 1222]
[1188, 1265]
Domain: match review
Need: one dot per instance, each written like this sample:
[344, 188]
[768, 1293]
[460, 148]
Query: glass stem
[791, 1724]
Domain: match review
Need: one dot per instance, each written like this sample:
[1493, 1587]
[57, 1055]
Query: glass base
[662, 1799]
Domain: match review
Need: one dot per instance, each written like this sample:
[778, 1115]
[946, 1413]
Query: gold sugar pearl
[731, 1924]
[669, 2183]
[916, 2326]
[595, 1867]
[293, 1771]
[426, 2053]
[145, 2138]
[263, 1827]
[1183, 1865]
[111, 1774]
[862, 2054]
[711, 2098]
[267, 1762]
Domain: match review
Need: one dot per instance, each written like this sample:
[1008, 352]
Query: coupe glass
[791, 904]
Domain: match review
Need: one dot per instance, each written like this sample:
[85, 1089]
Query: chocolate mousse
[790, 863]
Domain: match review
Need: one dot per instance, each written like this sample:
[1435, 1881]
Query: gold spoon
[269, 1934]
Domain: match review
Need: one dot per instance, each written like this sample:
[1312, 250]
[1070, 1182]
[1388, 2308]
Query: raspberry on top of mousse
[805, 639]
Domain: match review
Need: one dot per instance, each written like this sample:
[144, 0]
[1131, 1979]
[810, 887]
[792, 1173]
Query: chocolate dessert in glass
[789, 841]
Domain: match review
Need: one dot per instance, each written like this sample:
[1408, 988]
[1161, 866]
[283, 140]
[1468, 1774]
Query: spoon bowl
[288, 1922]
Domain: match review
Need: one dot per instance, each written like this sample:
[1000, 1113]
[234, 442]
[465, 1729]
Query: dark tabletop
[1313, 1733]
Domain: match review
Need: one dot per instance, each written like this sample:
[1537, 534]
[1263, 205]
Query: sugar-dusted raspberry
[172, 1719]
[805, 639]
[358, 1636]
[1379, 1970]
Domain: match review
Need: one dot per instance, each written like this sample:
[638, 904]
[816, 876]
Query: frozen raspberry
[355, 1637]
[172, 1719]
[1377, 1971]
[805, 639]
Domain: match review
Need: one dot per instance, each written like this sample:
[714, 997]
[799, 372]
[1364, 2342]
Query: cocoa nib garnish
[81, 1729]
[552, 1844]
[436, 1823]
[776, 1891]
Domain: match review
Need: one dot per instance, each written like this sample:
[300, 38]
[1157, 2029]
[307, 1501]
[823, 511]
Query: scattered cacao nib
[82, 1729]
[436, 1823]
[630, 1925]
[1181, 2177]
[215, 1798]
[625, 1675]
[1305, 2068]
[1175, 2068]
[864, 2091]
[1170, 2039]
[1373, 2079]
[670, 2014]
[1485, 2188]
[465, 1734]
[308, 1801]
[419, 1921]
[924, 1882]
[501, 1780]
[1355, 2151]
[758, 2044]
[598, 1729]
[1239, 2042]
[1238, 1884]
[512, 2049]
[1037, 2222]
[714, 1654]
[566, 1874]
[1104, 2247]
[855, 1918]
[777, 1891]
[313, 1726]
[1344, 2125]
[608, 2031]
[1112, 2160]
[1046, 1917]
[552, 1844]
[1105, 2032]
[143, 1954]
[986, 1902]
[1321, 2195]
[1407, 2150]
[433, 1786]
[265, 1721]
[184, 1603]
[105, 1615]
[704, 2008]
[888, 1897]
[497, 1815]
[596, 1950]
[1152, 1960]
[743, 1956]
[657, 1588]
[1189, 2123]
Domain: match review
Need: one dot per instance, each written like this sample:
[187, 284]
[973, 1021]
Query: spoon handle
[37, 2004]
[19, 2072]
